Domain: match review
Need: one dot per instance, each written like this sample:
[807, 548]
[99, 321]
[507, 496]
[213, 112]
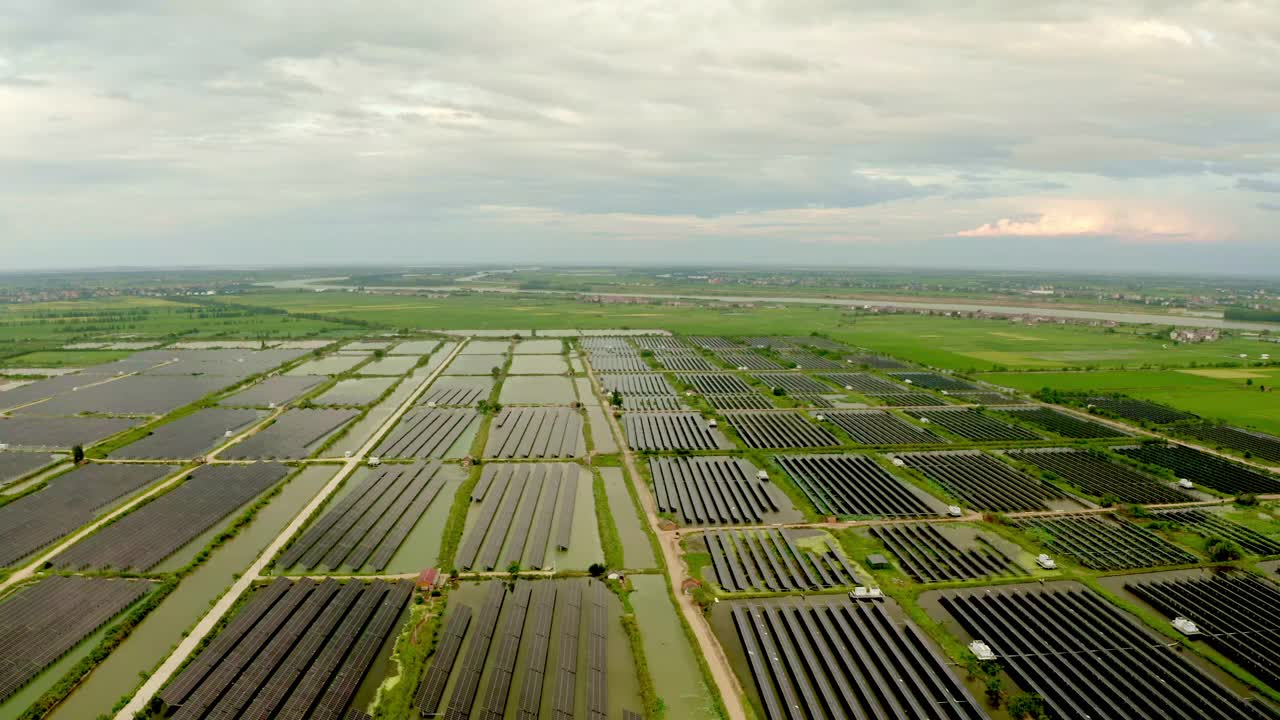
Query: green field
[952, 343]
[1228, 399]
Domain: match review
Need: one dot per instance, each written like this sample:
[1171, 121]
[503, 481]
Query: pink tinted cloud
[1132, 225]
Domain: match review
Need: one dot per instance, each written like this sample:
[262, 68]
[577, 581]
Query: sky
[1095, 135]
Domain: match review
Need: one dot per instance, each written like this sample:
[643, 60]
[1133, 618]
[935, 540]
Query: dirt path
[721, 671]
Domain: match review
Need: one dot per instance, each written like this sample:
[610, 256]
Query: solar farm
[612, 524]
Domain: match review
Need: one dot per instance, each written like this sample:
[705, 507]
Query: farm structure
[713, 490]
[806, 360]
[671, 431]
[190, 436]
[878, 427]
[779, 429]
[67, 502]
[974, 425]
[832, 657]
[518, 505]
[154, 531]
[1204, 469]
[295, 434]
[356, 391]
[536, 433]
[1211, 525]
[777, 560]
[60, 433]
[865, 383]
[747, 359]
[934, 381]
[794, 383]
[15, 465]
[753, 401]
[686, 360]
[368, 524]
[715, 383]
[646, 385]
[297, 648]
[1138, 410]
[275, 390]
[928, 553]
[1062, 423]
[1093, 474]
[1262, 445]
[1104, 543]
[43, 621]
[853, 485]
[547, 648]
[1086, 658]
[426, 433]
[1238, 614]
[985, 483]
[456, 392]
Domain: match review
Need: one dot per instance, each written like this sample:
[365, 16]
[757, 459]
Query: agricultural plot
[933, 553]
[426, 433]
[753, 401]
[794, 383]
[67, 502]
[779, 429]
[298, 648]
[1262, 445]
[538, 365]
[1061, 423]
[907, 399]
[487, 347]
[1087, 658]
[685, 360]
[880, 362]
[878, 427]
[330, 365]
[273, 391]
[806, 360]
[157, 529]
[456, 392]
[1095, 475]
[415, 347]
[295, 434]
[132, 395]
[15, 465]
[715, 344]
[190, 436]
[356, 391]
[853, 485]
[974, 425]
[1202, 468]
[539, 347]
[715, 491]
[1238, 614]
[368, 345]
[671, 431]
[634, 385]
[934, 381]
[475, 364]
[1103, 543]
[781, 560]
[545, 649]
[985, 483]
[60, 433]
[518, 506]
[1138, 410]
[865, 383]
[715, 384]
[1211, 525]
[651, 404]
[390, 365]
[537, 390]
[536, 433]
[749, 360]
[836, 657]
[43, 621]
[368, 524]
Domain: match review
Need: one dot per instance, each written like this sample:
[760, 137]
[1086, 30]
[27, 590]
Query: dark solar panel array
[928, 555]
[190, 436]
[41, 622]
[974, 425]
[934, 381]
[880, 362]
[1205, 469]
[1212, 525]
[747, 359]
[1103, 543]
[14, 465]
[457, 392]
[1095, 475]
[982, 481]
[779, 429]
[878, 427]
[651, 384]
[1251, 441]
[154, 531]
[865, 383]
[275, 390]
[794, 383]
[518, 505]
[369, 523]
[715, 383]
[806, 360]
[852, 485]
[670, 431]
[651, 404]
[714, 343]
[132, 395]
[60, 433]
[536, 433]
[1138, 410]
[753, 401]
[711, 490]
[425, 433]
[658, 342]
[771, 561]
[687, 360]
[1062, 423]
[907, 399]
[293, 435]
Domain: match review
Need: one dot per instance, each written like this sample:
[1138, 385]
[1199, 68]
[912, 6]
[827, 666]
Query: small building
[876, 561]
[689, 585]
[428, 579]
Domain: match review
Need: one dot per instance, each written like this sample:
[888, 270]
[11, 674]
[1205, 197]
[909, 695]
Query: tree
[77, 454]
[495, 371]
[1027, 706]
[1223, 550]
[596, 570]
[994, 690]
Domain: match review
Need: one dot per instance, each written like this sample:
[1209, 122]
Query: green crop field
[1224, 398]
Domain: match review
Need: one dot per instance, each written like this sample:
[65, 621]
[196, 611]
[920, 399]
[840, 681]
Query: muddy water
[164, 627]
[637, 552]
[671, 661]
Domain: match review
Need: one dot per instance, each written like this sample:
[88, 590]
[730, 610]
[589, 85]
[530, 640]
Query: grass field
[953, 343]
[1228, 399]
[64, 358]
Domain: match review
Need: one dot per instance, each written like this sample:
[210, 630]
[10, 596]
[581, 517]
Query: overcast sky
[1106, 135]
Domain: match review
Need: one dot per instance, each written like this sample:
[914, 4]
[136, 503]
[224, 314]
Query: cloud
[1161, 225]
[1258, 185]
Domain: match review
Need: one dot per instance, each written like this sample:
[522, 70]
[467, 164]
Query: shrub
[1027, 706]
[1247, 500]
[1223, 550]
[596, 569]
